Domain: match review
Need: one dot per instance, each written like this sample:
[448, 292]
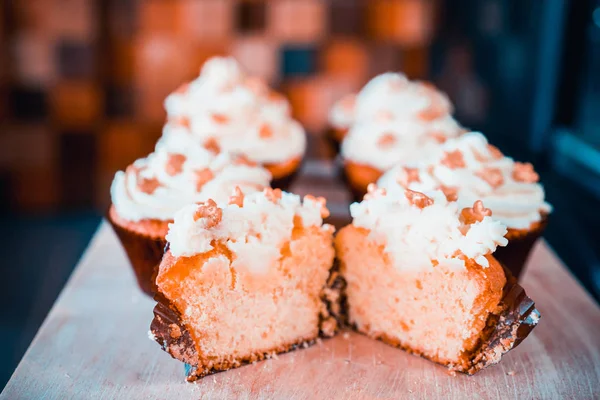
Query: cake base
[520, 243]
[168, 330]
[143, 251]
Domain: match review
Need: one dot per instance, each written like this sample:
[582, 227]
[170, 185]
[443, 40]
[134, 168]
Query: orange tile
[157, 16]
[312, 98]
[297, 21]
[121, 68]
[258, 55]
[206, 19]
[76, 104]
[347, 58]
[407, 22]
[122, 142]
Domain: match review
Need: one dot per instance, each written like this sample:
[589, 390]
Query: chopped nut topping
[322, 201]
[417, 198]
[237, 197]
[387, 139]
[524, 172]
[175, 164]
[212, 145]
[470, 215]
[256, 85]
[265, 131]
[220, 118]
[202, 176]
[493, 176]
[453, 159]
[241, 159]
[273, 195]
[438, 136]
[495, 152]
[410, 175]
[148, 185]
[181, 121]
[174, 331]
[210, 213]
[450, 192]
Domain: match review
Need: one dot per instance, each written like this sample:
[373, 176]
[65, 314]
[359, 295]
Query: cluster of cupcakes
[242, 270]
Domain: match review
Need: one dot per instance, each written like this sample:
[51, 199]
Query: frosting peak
[253, 226]
[467, 169]
[242, 114]
[419, 230]
[181, 172]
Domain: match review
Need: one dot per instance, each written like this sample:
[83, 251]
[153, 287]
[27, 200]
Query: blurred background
[82, 85]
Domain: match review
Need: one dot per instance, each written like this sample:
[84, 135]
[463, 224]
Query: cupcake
[469, 169]
[386, 97]
[243, 115]
[244, 281]
[421, 275]
[146, 196]
[372, 148]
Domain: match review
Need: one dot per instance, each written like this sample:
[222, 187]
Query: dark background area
[82, 84]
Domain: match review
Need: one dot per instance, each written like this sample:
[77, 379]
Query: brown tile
[384, 57]
[297, 21]
[415, 62]
[27, 146]
[406, 22]
[35, 189]
[73, 19]
[77, 166]
[76, 103]
[250, 16]
[346, 57]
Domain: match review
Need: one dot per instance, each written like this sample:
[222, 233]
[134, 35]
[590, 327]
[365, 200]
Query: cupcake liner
[358, 184]
[284, 183]
[144, 253]
[515, 254]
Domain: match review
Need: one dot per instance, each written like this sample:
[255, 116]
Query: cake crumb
[346, 361]
[319, 341]
[511, 373]
[346, 335]
[305, 345]
[451, 372]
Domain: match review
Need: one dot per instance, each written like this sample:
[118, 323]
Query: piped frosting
[385, 144]
[469, 169]
[254, 227]
[421, 230]
[241, 113]
[178, 173]
[390, 96]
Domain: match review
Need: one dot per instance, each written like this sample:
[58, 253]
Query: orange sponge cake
[244, 281]
[421, 276]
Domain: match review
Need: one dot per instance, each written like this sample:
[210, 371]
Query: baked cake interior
[237, 312]
[409, 281]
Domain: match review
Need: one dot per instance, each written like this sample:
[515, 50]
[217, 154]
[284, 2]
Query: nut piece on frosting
[421, 275]
[261, 261]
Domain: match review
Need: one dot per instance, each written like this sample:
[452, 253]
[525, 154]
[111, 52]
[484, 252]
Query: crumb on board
[511, 373]
[346, 335]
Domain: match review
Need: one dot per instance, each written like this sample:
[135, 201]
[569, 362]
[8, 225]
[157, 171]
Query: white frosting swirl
[517, 203]
[241, 113]
[383, 145]
[392, 94]
[255, 232]
[415, 236]
[180, 172]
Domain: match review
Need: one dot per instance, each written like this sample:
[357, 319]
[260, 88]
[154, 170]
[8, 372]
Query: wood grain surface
[94, 345]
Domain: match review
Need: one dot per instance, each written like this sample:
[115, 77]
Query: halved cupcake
[146, 196]
[421, 275]
[469, 169]
[243, 115]
[372, 148]
[389, 96]
[245, 280]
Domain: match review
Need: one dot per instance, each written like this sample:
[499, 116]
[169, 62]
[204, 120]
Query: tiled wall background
[82, 82]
